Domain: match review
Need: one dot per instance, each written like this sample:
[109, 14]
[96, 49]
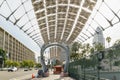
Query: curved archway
[65, 47]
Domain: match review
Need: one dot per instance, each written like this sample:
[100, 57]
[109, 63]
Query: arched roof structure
[62, 20]
[47, 21]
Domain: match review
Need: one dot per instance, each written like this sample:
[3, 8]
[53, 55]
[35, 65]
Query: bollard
[33, 76]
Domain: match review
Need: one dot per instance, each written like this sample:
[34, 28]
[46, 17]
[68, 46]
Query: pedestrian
[40, 73]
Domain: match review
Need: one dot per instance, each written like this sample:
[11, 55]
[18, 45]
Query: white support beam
[65, 19]
[56, 19]
[46, 19]
[76, 19]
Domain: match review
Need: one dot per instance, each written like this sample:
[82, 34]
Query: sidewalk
[53, 77]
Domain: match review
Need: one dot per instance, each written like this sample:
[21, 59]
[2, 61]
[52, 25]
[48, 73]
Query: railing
[79, 72]
[94, 68]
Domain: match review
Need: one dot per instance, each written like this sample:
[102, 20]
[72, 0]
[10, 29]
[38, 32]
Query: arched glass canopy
[47, 21]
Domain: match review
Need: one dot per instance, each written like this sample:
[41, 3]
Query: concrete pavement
[53, 77]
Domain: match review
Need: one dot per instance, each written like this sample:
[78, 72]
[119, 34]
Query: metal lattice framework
[105, 15]
[21, 14]
[62, 20]
[47, 21]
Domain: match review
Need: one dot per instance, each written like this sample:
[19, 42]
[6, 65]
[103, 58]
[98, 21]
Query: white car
[12, 69]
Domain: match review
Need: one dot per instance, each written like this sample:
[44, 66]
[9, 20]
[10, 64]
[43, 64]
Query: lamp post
[100, 56]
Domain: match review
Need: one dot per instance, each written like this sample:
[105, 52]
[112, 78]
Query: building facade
[98, 37]
[15, 49]
[57, 53]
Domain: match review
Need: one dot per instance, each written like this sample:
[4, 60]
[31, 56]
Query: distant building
[98, 37]
[63, 55]
[15, 49]
[57, 53]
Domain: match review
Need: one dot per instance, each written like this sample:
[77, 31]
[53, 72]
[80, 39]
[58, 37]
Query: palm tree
[108, 39]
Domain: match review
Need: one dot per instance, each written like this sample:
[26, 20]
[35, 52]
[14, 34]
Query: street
[18, 75]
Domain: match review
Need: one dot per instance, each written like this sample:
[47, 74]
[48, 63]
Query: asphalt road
[18, 75]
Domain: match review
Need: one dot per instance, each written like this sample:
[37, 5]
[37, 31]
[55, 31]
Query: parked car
[26, 69]
[12, 69]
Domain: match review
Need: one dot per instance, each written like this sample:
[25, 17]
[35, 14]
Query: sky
[113, 32]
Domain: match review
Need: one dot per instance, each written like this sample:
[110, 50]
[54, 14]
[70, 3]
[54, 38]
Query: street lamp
[100, 56]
